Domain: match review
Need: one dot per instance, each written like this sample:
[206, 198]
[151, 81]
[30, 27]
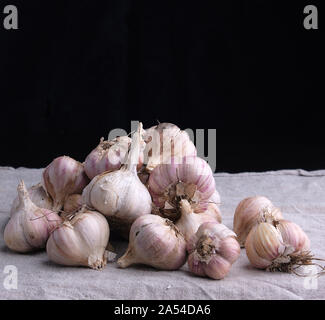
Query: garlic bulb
[212, 250]
[156, 242]
[29, 226]
[73, 203]
[120, 195]
[277, 246]
[38, 196]
[164, 142]
[249, 212]
[191, 180]
[82, 241]
[109, 155]
[62, 177]
[189, 222]
[213, 211]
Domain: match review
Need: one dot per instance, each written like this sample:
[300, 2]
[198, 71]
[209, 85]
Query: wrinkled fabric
[300, 195]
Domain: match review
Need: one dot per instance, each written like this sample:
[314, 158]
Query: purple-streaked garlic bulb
[212, 250]
[109, 155]
[164, 142]
[73, 203]
[277, 246]
[38, 196]
[62, 177]
[213, 207]
[29, 226]
[192, 179]
[120, 195]
[249, 212]
[156, 242]
[189, 222]
[80, 241]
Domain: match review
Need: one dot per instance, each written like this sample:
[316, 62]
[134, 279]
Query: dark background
[77, 69]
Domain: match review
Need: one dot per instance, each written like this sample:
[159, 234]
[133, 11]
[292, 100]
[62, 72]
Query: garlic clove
[82, 241]
[38, 196]
[62, 177]
[212, 250]
[29, 226]
[156, 242]
[249, 212]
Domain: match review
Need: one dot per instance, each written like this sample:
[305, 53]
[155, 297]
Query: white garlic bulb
[156, 242]
[120, 195]
[38, 196]
[189, 222]
[29, 226]
[192, 179]
[81, 241]
[72, 203]
[62, 177]
[249, 212]
[276, 246]
[164, 142]
[109, 155]
[212, 250]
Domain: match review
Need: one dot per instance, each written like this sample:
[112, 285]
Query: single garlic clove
[120, 195]
[192, 179]
[73, 203]
[189, 221]
[29, 226]
[156, 242]
[212, 250]
[62, 177]
[38, 196]
[249, 212]
[82, 241]
[264, 244]
[164, 142]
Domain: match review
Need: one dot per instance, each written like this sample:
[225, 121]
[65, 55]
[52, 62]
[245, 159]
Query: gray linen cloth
[300, 195]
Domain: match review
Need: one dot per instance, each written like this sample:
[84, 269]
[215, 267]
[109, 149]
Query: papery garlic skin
[156, 242]
[271, 246]
[109, 155]
[191, 180]
[212, 250]
[189, 222]
[72, 203]
[82, 241]
[62, 177]
[29, 226]
[164, 142]
[38, 196]
[249, 212]
[120, 195]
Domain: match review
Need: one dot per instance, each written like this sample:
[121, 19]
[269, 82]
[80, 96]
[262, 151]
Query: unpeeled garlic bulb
[72, 203]
[109, 155]
[189, 222]
[249, 212]
[191, 180]
[212, 250]
[276, 246]
[213, 207]
[29, 226]
[62, 177]
[80, 241]
[120, 195]
[164, 142]
[38, 196]
[155, 241]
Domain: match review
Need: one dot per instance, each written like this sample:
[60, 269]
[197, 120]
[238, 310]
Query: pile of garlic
[153, 190]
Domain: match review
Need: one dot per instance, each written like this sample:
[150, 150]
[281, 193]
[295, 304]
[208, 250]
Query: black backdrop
[77, 69]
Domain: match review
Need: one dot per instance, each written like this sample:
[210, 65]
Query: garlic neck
[23, 196]
[185, 207]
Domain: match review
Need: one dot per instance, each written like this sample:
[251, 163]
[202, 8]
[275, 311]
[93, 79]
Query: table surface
[300, 195]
